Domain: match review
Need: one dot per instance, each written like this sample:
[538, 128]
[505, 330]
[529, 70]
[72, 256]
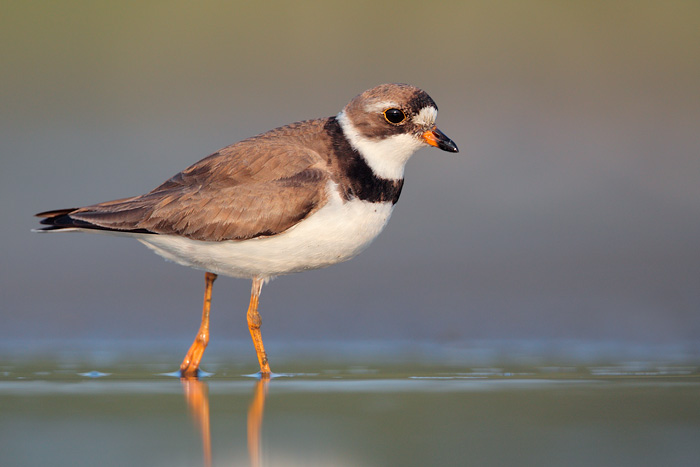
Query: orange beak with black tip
[438, 139]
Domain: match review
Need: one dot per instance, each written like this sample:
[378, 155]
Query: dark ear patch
[419, 101]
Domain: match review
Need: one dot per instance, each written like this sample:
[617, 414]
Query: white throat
[386, 157]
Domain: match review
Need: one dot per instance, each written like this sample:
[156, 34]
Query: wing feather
[258, 187]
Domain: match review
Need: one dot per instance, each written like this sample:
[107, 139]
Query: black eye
[394, 116]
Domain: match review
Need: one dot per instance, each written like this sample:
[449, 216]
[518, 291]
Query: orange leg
[190, 365]
[254, 323]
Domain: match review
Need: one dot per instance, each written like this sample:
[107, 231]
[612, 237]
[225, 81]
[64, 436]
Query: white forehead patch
[426, 117]
[380, 106]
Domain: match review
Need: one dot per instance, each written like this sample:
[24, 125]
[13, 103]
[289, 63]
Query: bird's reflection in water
[255, 418]
[197, 396]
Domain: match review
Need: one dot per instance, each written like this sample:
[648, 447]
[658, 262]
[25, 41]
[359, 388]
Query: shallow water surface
[359, 416]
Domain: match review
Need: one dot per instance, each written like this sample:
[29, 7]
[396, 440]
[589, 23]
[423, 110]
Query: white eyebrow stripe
[380, 106]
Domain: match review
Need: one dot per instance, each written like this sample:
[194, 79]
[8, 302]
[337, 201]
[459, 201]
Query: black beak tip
[448, 145]
[452, 147]
[443, 142]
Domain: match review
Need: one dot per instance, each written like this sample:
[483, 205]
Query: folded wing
[250, 189]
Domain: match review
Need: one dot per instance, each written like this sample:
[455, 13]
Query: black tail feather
[61, 219]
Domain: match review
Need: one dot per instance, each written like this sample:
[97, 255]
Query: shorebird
[299, 197]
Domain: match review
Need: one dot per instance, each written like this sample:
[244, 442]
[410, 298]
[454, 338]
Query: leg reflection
[255, 418]
[197, 396]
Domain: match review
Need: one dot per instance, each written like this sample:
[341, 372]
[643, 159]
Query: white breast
[335, 233]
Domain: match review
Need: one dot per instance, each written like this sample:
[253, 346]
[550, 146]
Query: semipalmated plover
[302, 196]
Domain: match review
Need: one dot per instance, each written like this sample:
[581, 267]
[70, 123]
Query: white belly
[335, 233]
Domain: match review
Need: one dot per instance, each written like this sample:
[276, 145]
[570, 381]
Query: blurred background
[569, 219]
